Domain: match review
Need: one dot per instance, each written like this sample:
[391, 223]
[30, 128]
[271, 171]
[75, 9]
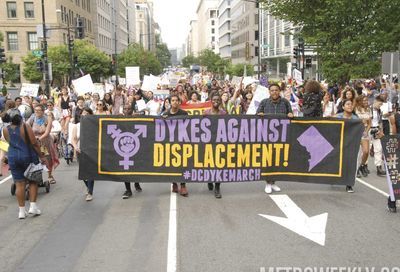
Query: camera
[373, 132]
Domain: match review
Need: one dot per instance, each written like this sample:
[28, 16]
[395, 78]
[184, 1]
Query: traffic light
[79, 28]
[296, 52]
[308, 62]
[40, 66]
[2, 56]
[71, 44]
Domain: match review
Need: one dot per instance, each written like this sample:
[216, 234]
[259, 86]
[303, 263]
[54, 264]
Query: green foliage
[350, 35]
[135, 55]
[162, 52]
[30, 72]
[1, 38]
[189, 60]
[59, 59]
[11, 71]
[91, 60]
[238, 69]
[213, 62]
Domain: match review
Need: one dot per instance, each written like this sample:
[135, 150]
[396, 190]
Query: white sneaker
[275, 188]
[268, 188]
[22, 214]
[34, 211]
[89, 197]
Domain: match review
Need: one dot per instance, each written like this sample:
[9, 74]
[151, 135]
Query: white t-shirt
[153, 107]
[375, 118]
[330, 110]
[385, 109]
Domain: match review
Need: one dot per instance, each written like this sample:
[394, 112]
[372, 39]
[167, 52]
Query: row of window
[104, 4]
[71, 19]
[105, 41]
[103, 22]
[29, 10]
[13, 41]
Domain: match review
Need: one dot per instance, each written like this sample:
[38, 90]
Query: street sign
[37, 53]
[39, 31]
[390, 63]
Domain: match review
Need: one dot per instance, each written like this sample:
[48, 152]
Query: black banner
[391, 152]
[219, 149]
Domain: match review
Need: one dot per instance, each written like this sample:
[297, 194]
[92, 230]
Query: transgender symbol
[126, 144]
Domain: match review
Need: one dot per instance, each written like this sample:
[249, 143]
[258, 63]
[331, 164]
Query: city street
[112, 234]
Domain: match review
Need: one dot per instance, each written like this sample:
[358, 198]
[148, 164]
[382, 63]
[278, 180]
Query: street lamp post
[257, 2]
[70, 53]
[45, 57]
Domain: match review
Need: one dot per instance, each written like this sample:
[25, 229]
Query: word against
[330, 269]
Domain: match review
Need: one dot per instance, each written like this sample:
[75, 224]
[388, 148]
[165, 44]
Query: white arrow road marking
[312, 228]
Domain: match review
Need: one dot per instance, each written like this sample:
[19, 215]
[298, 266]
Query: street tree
[349, 36]
[162, 52]
[212, 61]
[30, 72]
[189, 60]
[136, 55]
[238, 69]
[91, 60]
[10, 71]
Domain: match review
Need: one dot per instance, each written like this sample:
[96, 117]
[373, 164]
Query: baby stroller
[45, 184]
[65, 149]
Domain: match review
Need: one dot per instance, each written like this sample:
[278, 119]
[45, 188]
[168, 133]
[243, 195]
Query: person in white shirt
[328, 106]
[376, 133]
[386, 110]
[139, 104]
[152, 107]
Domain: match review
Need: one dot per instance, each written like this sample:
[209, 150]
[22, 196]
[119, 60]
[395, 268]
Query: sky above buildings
[174, 17]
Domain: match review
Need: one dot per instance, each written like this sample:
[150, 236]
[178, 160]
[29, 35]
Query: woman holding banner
[347, 114]
[76, 135]
[215, 109]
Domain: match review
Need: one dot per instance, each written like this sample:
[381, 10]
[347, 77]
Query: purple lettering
[274, 135]
[171, 129]
[195, 130]
[284, 124]
[225, 173]
[244, 131]
[244, 175]
[221, 131]
[253, 129]
[232, 130]
[206, 135]
[160, 130]
[182, 130]
[262, 130]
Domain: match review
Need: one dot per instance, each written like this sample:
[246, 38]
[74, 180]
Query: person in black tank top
[64, 105]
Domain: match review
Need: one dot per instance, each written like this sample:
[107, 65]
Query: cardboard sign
[83, 85]
[150, 83]
[29, 90]
[236, 80]
[99, 88]
[132, 75]
[259, 95]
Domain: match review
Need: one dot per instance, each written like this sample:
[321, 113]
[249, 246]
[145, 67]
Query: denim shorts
[18, 167]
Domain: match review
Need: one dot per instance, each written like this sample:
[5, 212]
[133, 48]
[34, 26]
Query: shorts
[18, 167]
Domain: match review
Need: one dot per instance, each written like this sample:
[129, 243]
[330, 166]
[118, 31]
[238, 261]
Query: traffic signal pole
[45, 57]
[70, 47]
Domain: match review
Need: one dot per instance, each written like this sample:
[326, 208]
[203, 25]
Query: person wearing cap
[23, 150]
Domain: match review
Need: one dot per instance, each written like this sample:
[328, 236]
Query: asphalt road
[111, 234]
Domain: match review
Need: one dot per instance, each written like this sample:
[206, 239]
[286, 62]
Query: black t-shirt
[178, 113]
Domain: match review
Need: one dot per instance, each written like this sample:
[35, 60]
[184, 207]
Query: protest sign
[150, 83]
[29, 90]
[391, 152]
[196, 109]
[122, 81]
[220, 149]
[132, 75]
[109, 87]
[248, 80]
[99, 88]
[174, 80]
[236, 81]
[83, 85]
[260, 94]
[297, 76]
[160, 95]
